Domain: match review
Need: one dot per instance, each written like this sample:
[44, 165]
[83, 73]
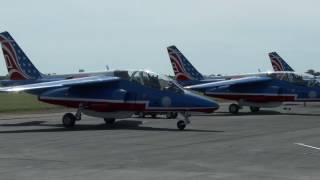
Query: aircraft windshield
[150, 79]
[292, 77]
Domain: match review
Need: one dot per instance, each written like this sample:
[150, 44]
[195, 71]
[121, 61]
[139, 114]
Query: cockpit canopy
[305, 79]
[150, 79]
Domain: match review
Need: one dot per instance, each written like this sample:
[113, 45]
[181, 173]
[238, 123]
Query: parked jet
[119, 94]
[22, 71]
[264, 90]
[255, 90]
[278, 63]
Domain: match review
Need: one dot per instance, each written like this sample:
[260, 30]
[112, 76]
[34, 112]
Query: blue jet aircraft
[118, 95]
[254, 90]
[108, 95]
[269, 89]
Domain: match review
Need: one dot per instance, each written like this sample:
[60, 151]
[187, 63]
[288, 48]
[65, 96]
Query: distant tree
[170, 76]
[310, 71]
[313, 72]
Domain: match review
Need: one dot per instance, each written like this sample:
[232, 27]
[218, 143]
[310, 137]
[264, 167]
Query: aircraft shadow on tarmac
[119, 125]
[30, 123]
[260, 113]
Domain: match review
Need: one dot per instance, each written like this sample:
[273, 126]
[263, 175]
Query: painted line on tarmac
[305, 145]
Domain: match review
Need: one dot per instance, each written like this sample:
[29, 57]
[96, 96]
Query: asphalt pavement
[278, 143]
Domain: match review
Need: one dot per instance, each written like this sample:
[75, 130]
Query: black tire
[153, 115]
[254, 109]
[68, 120]
[181, 125]
[109, 121]
[234, 108]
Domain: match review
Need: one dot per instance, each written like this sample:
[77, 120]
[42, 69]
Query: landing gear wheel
[154, 116]
[254, 109]
[68, 120]
[234, 108]
[109, 121]
[181, 125]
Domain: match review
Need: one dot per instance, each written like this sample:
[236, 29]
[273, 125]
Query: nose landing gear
[234, 108]
[181, 124]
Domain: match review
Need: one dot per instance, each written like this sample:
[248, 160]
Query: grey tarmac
[275, 143]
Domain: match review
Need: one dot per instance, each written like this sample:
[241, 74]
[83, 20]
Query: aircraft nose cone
[210, 105]
[204, 104]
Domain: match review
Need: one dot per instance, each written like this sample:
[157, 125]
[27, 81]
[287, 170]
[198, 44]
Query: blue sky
[217, 36]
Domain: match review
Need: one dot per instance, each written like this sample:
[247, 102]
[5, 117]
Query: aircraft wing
[229, 83]
[62, 83]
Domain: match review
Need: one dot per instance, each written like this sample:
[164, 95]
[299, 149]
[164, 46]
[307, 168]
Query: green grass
[22, 102]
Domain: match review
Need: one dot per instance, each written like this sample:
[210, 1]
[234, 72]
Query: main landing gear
[181, 124]
[234, 109]
[69, 119]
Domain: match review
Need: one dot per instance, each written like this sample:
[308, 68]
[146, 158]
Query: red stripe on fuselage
[98, 106]
[112, 106]
[255, 98]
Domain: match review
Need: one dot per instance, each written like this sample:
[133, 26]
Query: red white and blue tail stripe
[18, 64]
[278, 63]
[182, 68]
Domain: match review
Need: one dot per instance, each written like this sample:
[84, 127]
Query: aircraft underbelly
[115, 114]
[100, 101]
[99, 105]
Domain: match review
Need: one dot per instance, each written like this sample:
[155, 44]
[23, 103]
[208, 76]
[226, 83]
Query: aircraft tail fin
[278, 63]
[182, 68]
[18, 64]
